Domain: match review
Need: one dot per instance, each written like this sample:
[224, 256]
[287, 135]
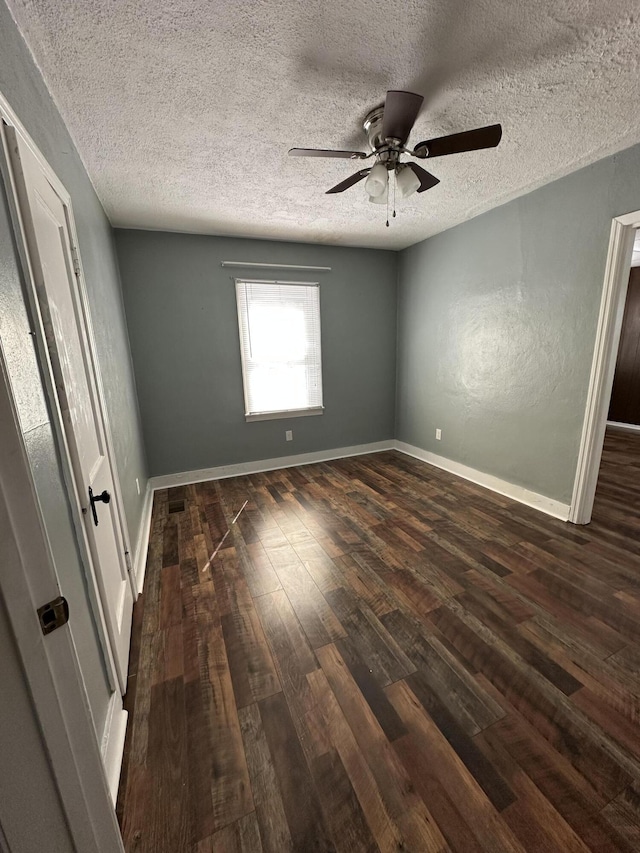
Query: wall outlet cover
[289, 435]
[439, 434]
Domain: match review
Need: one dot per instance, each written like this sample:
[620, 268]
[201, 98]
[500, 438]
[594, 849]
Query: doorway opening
[611, 389]
[617, 498]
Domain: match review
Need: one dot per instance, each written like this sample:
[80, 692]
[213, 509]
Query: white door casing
[55, 266]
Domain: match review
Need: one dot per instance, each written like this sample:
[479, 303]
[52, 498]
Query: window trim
[284, 413]
[278, 414]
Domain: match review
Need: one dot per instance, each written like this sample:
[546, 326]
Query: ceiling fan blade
[456, 143]
[349, 182]
[400, 112]
[322, 152]
[427, 180]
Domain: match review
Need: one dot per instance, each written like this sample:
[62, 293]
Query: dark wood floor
[617, 503]
[385, 657]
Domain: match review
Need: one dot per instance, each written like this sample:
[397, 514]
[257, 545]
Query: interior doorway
[617, 498]
[622, 243]
[624, 408]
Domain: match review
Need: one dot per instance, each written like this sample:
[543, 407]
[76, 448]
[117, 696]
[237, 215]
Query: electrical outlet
[439, 434]
[289, 435]
[138, 485]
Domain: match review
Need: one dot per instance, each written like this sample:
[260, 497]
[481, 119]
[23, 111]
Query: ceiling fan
[387, 128]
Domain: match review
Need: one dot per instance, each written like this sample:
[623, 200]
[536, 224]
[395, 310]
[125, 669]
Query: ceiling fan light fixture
[377, 181]
[382, 198]
[406, 181]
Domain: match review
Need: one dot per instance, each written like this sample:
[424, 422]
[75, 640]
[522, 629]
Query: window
[279, 324]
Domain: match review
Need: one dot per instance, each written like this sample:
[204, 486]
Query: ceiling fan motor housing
[373, 127]
[385, 149]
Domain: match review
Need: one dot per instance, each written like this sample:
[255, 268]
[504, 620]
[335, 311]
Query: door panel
[74, 392]
[51, 256]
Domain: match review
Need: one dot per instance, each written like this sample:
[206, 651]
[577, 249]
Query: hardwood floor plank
[138, 724]
[346, 822]
[491, 782]
[135, 819]
[200, 747]
[151, 592]
[366, 585]
[317, 562]
[531, 817]
[407, 587]
[299, 797]
[243, 836]
[568, 791]
[571, 733]
[371, 690]
[471, 706]
[318, 620]
[476, 603]
[408, 810]
[230, 786]
[259, 572]
[621, 728]
[252, 669]
[190, 634]
[376, 647]
[623, 814]
[382, 824]
[170, 556]
[167, 654]
[592, 629]
[456, 831]
[294, 658]
[270, 814]
[170, 827]
[429, 746]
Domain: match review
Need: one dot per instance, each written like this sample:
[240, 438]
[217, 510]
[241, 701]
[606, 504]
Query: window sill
[294, 413]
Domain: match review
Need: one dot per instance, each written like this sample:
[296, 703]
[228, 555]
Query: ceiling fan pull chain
[387, 202]
[394, 192]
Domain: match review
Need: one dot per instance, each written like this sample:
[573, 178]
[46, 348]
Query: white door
[46, 222]
[53, 793]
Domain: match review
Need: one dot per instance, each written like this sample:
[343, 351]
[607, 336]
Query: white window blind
[279, 325]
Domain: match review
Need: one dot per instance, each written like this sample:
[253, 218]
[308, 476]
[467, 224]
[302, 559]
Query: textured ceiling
[183, 111]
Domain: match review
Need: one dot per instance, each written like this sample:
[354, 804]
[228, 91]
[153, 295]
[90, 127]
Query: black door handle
[105, 497]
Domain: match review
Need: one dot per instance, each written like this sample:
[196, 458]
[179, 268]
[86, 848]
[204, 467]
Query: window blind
[279, 324]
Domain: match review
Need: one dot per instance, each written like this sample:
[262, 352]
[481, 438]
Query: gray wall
[22, 86]
[183, 325]
[496, 328]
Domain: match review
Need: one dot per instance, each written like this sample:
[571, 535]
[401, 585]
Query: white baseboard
[142, 542]
[168, 480]
[115, 729]
[627, 427]
[510, 490]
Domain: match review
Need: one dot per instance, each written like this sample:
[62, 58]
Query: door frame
[9, 125]
[614, 294]
[50, 663]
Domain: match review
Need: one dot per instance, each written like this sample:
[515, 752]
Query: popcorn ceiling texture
[183, 111]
